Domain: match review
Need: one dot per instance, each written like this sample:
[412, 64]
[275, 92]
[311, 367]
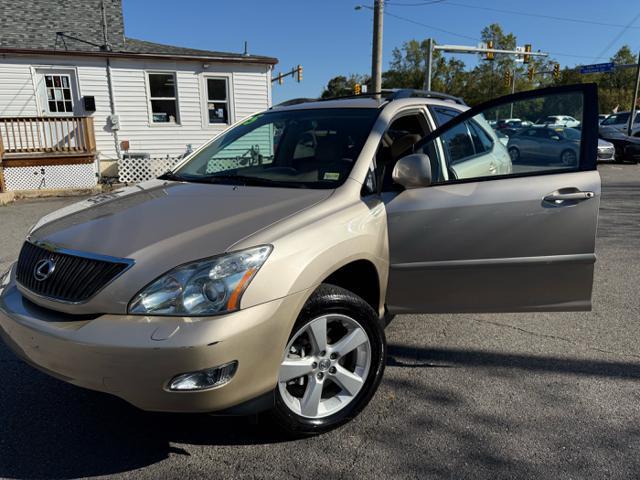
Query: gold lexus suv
[259, 274]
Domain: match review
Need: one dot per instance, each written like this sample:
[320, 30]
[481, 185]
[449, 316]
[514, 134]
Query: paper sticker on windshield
[250, 120]
[331, 176]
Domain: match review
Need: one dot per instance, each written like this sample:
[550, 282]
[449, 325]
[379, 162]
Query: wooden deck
[40, 141]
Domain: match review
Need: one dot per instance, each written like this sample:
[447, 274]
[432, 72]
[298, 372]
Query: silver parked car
[545, 144]
[259, 274]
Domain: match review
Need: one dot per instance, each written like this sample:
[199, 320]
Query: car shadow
[415, 357]
[49, 429]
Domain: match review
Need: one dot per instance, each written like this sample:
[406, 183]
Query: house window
[163, 97]
[58, 87]
[217, 100]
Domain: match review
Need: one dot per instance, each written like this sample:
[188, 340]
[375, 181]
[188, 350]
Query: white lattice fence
[136, 170]
[50, 177]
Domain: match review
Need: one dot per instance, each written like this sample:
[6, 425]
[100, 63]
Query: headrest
[399, 146]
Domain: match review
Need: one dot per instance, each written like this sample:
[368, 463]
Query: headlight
[205, 287]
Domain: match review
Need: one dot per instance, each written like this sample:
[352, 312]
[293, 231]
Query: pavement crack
[558, 338]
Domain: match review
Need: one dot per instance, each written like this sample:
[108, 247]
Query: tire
[514, 153]
[297, 411]
[569, 158]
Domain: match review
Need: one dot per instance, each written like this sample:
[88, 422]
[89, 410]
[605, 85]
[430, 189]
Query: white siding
[16, 90]
[249, 87]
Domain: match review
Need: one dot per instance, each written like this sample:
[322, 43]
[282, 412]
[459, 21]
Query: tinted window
[458, 144]
[481, 140]
[472, 149]
[443, 114]
[616, 118]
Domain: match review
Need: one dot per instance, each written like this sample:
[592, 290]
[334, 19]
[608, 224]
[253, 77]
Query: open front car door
[480, 224]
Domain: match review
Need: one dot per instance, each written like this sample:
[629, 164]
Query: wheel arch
[360, 277]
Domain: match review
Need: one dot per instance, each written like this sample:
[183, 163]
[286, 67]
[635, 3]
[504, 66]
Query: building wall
[249, 87]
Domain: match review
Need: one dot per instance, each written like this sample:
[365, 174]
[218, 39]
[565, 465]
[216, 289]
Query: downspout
[112, 101]
[112, 106]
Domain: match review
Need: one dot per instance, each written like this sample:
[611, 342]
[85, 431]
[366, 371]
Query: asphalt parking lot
[464, 396]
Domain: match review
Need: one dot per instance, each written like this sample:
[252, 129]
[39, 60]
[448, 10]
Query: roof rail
[295, 101]
[399, 93]
[388, 95]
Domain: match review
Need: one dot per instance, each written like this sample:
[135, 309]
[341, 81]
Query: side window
[217, 101]
[482, 142]
[473, 149]
[458, 144]
[163, 97]
[58, 88]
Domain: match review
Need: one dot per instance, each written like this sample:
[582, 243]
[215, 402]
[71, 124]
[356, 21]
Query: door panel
[492, 246]
[522, 239]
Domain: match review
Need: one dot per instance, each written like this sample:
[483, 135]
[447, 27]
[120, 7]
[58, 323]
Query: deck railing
[46, 135]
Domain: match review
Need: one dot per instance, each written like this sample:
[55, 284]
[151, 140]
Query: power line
[438, 29]
[419, 4]
[515, 12]
[619, 35]
[461, 35]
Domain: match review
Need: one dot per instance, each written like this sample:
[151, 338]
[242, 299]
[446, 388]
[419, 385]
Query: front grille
[75, 278]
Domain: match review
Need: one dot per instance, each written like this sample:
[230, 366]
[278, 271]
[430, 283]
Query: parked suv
[258, 275]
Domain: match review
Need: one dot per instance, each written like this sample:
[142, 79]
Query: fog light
[204, 379]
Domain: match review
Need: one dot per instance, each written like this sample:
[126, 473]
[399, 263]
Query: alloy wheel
[325, 366]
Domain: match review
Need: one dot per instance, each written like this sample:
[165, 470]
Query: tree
[341, 85]
[408, 69]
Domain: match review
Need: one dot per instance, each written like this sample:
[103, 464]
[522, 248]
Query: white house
[76, 96]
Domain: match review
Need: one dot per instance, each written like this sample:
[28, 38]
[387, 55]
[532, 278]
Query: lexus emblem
[43, 269]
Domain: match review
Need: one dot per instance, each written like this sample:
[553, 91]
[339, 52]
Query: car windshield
[307, 148]
[618, 118]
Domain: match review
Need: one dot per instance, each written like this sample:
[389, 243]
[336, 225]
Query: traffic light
[280, 79]
[527, 49]
[507, 78]
[299, 73]
[556, 71]
[357, 89]
[531, 72]
[490, 55]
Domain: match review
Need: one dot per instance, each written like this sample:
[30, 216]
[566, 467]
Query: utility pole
[376, 53]
[513, 89]
[427, 78]
[635, 98]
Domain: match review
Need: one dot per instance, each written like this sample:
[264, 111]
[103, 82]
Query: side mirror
[413, 171]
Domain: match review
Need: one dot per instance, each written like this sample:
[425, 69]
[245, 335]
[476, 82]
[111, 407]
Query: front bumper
[134, 357]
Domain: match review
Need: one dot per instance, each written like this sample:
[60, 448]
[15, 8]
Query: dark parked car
[627, 148]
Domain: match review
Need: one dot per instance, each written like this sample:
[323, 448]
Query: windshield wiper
[169, 175]
[248, 180]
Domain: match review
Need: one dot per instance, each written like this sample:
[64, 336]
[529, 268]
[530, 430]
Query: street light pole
[376, 53]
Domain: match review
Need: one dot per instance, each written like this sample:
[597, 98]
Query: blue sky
[329, 37]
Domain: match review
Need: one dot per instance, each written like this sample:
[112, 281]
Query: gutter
[148, 56]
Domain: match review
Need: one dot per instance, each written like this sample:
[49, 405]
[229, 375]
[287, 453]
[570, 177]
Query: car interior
[402, 134]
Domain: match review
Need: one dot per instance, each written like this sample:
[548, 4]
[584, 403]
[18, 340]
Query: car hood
[613, 134]
[171, 222]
